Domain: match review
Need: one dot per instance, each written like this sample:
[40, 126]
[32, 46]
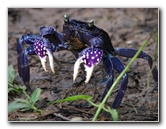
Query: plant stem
[119, 77]
[153, 65]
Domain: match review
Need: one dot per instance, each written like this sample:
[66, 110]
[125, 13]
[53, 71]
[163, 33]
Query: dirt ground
[126, 28]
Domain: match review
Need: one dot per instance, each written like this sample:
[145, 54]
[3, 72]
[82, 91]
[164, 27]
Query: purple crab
[88, 43]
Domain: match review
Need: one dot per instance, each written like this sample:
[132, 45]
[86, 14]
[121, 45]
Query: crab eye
[90, 23]
[66, 18]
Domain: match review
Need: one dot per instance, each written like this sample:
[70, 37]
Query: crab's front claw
[43, 49]
[90, 57]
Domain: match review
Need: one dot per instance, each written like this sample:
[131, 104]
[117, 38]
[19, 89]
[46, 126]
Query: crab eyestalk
[66, 18]
[90, 23]
[90, 57]
[43, 52]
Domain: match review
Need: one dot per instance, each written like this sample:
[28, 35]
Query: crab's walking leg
[109, 70]
[129, 52]
[23, 66]
[118, 66]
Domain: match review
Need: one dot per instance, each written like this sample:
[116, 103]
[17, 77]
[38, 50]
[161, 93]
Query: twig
[80, 110]
[61, 116]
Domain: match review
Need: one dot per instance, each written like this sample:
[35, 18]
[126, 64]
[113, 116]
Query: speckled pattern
[92, 56]
[39, 48]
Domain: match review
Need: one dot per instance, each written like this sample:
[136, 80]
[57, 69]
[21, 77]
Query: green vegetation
[26, 104]
[23, 105]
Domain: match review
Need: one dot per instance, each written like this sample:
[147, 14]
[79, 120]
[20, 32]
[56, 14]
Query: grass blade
[72, 98]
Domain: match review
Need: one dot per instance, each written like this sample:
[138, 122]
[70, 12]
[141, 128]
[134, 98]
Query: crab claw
[42, 51]
[90, 57]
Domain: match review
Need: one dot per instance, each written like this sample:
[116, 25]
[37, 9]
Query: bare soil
[126, 28]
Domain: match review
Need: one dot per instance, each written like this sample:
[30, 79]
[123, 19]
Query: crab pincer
[90, 57]
[42, 49]
[43, 45]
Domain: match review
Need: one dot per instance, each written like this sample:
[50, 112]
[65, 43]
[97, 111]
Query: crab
[90, 45]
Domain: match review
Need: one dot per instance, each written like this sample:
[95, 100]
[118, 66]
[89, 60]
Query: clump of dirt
[126, 28]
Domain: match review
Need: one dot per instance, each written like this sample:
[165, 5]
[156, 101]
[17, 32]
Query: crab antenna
[66, 18]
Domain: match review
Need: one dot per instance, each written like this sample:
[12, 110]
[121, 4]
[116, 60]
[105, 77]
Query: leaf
[23, 102]
[73, 98]
[16, 88]
[113, 113]
[15, 105]
[11, 89]
[25, 109]
[11, 74]
[35, 95]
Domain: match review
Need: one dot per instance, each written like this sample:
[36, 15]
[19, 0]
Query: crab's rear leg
[129, 52]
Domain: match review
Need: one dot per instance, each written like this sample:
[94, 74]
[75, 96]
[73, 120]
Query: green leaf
[11, 89]
[11, 74]
[15, 105]
[16, 88]
[35, 95]
[25, 109]
[114, 114]
[23, 102]
[73, 98]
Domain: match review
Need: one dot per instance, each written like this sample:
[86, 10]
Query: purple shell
[39, 48]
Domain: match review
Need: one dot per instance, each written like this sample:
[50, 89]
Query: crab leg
[110, 63]
[118, 66]
[107, 63]
[128, 52]
[23, 65]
